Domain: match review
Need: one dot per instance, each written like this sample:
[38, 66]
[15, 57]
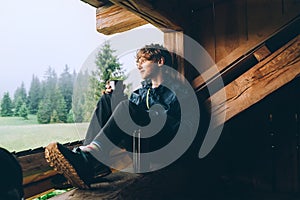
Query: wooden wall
[227, 29]
[261, 146]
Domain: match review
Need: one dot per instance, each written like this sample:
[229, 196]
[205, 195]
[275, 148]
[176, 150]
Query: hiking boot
[79, 167]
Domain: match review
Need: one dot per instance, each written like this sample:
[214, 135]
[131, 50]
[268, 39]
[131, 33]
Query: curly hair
[155, 52]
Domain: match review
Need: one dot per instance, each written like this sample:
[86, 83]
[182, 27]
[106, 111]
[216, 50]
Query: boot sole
[60, 164]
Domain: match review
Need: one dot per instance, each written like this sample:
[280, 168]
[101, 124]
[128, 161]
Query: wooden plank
[230, 25]
[267, 16]
[174, 42]
[114, 19]
[159, 16]
[290, 8]
[263, 17]
[38, 176]
[238, 58]
[262, 53]
[33, 164]
[267, 76]
[96, 3]
[43, 185]
[252, 40]
[202, 29]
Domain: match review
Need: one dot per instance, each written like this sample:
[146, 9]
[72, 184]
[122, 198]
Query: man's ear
[161, 61]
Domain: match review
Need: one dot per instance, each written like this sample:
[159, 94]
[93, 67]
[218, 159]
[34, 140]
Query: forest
[66, 98]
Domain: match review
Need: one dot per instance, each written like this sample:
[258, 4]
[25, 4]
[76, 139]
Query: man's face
[148, 68]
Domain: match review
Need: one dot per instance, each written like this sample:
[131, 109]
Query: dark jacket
[166, 98]
[160, 95]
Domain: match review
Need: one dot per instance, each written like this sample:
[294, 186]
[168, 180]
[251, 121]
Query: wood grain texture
[262, 53]
[263, 17]
[259, 52]
[230, 25]
[267, 76]
[33, 163]
[156, 15]
[114, 19]
[202, 29]
[261, 20]
[174, 42]
[96, 3]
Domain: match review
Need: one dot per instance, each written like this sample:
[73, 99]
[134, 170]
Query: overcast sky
[36, 34]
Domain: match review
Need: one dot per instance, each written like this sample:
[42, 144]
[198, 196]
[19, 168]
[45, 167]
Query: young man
[150, 104]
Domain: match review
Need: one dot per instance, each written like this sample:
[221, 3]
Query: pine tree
[34, 95]
[20, 94]
[23, 111]
[65, 85]
[70, 117]
[108, 68]
[79, 96]
[47, 104]
[60, 108]
[18, 104]
[20, 97]
[54, 116]
[6, 106]
[50, 86]
[44, 112]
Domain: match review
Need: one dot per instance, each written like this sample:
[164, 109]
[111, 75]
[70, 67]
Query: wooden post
[173, 41]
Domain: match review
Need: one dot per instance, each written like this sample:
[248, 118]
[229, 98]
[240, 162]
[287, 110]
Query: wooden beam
[262, 53]
[115, 19]
[96, 3]
[244, 57]
[37, 173]
[264, 78]
[174, 42]
[150, 12]
[38, 176]
[33, 164]
[41, 186]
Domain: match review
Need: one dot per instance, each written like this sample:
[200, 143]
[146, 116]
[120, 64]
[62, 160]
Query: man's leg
[103, 111]
[81, 167]
[117, 132]
[100, 116]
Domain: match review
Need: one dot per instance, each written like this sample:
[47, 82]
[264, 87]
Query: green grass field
[16, 121]
[17, 134]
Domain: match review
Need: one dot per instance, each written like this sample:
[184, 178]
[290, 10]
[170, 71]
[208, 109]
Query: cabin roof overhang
[115, 16]
[96, 3]
[112, 18]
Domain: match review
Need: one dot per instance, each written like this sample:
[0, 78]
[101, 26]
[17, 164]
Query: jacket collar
[147, 83]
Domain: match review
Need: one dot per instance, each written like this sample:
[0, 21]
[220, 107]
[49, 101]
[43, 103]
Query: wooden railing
[38, 176]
